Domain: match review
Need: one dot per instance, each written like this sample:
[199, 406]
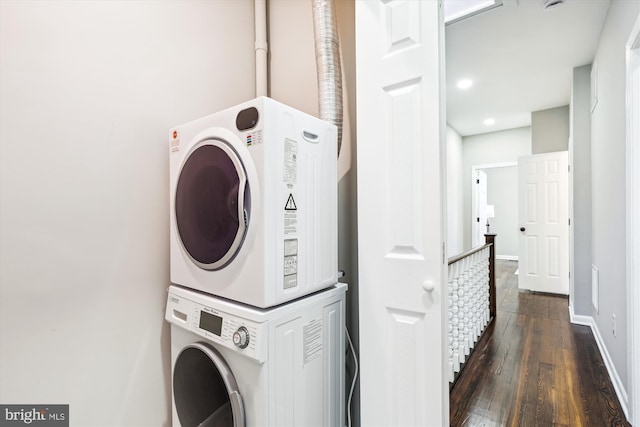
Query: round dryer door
[205, 391]
[212, 204]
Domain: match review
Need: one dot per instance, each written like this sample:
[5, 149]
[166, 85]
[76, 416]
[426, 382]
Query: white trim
[611, 369]
[613, 374]
[507, 257]
[594, 86]
[632, 53]
[493, 166]
[578, 319]
[572, 288]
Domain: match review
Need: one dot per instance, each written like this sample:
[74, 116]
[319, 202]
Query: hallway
[533, 367]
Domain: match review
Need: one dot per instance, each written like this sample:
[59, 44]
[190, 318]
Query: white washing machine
[236, 365]
[253, 203]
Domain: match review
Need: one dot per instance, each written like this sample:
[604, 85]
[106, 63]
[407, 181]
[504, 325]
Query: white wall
[455, 202]
[608, 179]
[550, 130]
[89, 91]
[293, 81]
[580, 159]
[490, 148]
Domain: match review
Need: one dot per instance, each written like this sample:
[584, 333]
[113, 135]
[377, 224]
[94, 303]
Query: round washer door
[212, 204]
[205, 391]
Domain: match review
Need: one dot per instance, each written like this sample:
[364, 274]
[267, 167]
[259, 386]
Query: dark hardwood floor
[533, 367]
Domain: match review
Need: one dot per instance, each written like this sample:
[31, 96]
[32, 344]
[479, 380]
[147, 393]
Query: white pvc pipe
[261, 48]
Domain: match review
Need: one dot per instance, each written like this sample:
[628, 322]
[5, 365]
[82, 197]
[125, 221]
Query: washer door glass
[212, 204]
[205, 392]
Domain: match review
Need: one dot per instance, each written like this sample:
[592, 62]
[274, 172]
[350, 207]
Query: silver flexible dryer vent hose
[328, 64]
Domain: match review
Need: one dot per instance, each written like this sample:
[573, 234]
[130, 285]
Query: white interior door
[479, 205]
[543, 212]
[399, 47]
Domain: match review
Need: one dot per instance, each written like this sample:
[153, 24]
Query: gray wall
[89, 93]
[502, 192]
[550, 130]
[608, 179]
[489, 148]
[455, 202]
[580, 159]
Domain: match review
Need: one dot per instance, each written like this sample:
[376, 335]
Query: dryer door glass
[212, 204]
[204, 389]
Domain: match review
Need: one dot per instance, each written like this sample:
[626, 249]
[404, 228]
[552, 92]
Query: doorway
[502, 194]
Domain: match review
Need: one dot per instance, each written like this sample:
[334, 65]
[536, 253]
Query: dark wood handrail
[468, 253]
[490, 238]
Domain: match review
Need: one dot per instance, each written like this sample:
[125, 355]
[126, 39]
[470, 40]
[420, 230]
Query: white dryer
[253, 203]
[237, 365]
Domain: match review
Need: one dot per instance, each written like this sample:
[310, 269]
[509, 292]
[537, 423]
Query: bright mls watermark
[34, 415]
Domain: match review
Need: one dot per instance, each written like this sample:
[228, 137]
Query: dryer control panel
[216, 325]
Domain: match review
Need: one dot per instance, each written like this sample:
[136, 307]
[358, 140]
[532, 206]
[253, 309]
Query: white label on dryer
[290, 247]
[290, 162]
[175, 141]
[290, 222]
[312, 338]
[290, 263]
[254, 138]
[290, 280]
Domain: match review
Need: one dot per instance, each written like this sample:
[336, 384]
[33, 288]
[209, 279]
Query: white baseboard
[613, 374]
[577, 319]
[507, 257]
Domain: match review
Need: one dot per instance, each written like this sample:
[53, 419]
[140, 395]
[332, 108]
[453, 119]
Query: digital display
[210, 322]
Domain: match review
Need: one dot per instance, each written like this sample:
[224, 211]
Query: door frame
[632, 53]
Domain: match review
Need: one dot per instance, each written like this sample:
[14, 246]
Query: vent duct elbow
[327, 48]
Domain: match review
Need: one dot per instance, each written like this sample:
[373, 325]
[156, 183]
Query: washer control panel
[230, 331]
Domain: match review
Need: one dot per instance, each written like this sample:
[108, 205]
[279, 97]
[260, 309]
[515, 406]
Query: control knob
[241, 337]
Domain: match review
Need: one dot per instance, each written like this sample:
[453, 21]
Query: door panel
[400, 221]
[543, 210]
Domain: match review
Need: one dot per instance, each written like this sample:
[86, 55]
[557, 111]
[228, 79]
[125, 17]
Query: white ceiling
[520, 58]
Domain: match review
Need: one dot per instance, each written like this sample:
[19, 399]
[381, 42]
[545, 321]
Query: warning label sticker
[290, 263]
[175, 141]
[290, 281]
[290, 247]
[290, 222]
[291, 204]
[312, 340]
[290, 216]
[290, 162]
[254, 138]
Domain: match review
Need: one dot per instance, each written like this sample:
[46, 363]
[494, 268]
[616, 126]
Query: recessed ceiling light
[464, 84]
[490, 122]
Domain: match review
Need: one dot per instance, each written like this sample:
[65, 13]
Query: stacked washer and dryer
[257, 314]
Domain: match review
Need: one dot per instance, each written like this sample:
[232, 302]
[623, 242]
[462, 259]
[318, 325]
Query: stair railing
[471, 301]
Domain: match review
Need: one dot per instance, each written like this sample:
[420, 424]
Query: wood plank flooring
[533, 367]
